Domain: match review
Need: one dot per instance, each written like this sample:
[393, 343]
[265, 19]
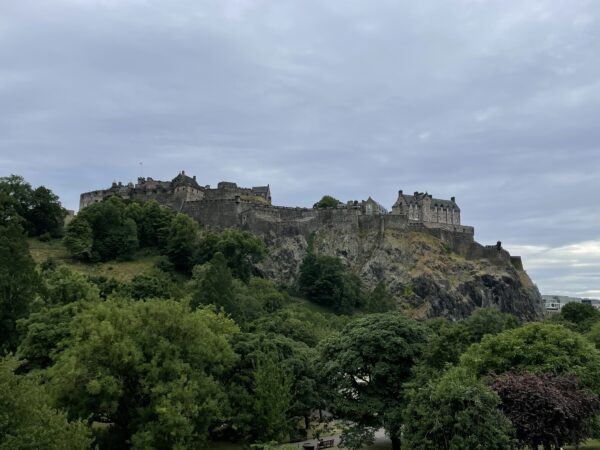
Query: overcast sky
[494, 102]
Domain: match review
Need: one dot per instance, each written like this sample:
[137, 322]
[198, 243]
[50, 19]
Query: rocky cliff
[428, 275]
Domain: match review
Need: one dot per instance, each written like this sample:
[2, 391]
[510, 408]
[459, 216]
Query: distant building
[554, 303]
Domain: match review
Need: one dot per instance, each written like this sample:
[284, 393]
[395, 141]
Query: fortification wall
[281, 221]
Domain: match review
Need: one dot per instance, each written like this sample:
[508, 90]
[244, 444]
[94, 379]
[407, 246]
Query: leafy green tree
[19, 282]
[484, 321]
[295, 360]
[46, 215]
[546, 409]
[153, 225]
[299, 324]
[450, 339]
[181, 242]
[79, 239]
[380, 299]
[27, 421]
[265, 291]
[61, 286]
[456, 412]
[39, 208]
[241, 250]
[152, 284]
[366, 366]
[149, 368]
[212, 284]
[324, 280]
[539, 348]
[581, 315]
[114, 234]
[327, 201]
[46, 333]
[272, 398]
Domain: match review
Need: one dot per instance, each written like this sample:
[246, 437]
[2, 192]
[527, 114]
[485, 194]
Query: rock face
[429, 276]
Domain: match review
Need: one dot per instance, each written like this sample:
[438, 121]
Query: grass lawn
[120, 270]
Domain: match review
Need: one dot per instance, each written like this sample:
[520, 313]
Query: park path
[381, 440]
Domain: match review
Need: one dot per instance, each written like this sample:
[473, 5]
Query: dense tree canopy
[451, 338]
[325, 281]
[150, 368]
[240, 249]
[28, 420]
[366, 365]
[327, 201]
[19, 282]
[114, 234]
[39, 208]
[456, 412]
[580, 315]
[538, 347]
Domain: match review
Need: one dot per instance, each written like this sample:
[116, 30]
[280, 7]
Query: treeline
[200, 349]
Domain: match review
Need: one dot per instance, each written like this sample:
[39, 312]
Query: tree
[484, 321]
[40, 209]
[537, 347]
[324, 280]
[114, 234]
[61, 286]
[366, 366]
[46, 333]
[150, 368]
[272, 398]
[327, 201]
[79, 239]
[546, 409]
[212, 284]
[241, 250]
[456, 412]
[380, 299]
[248, 381]
[46, 215]
[27, 421]
[19, 282]
[153, 224]
[152, 284]
[450, 339]
[581, 315]
[181, 242]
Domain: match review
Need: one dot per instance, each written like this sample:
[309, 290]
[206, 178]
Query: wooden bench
[325, 444]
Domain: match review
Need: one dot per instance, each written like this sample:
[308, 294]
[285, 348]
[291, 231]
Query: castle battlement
[229, 205]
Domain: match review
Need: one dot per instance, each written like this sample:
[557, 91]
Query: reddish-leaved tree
[546, 409]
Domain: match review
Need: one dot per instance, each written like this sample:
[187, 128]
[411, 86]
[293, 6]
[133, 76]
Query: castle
[176, 192]
[229, 205]
[251, 209]
[183, 192]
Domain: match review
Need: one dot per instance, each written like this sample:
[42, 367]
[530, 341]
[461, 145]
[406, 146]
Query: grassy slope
[120, 270]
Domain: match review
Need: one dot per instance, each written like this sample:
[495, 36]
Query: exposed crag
[427, 276]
